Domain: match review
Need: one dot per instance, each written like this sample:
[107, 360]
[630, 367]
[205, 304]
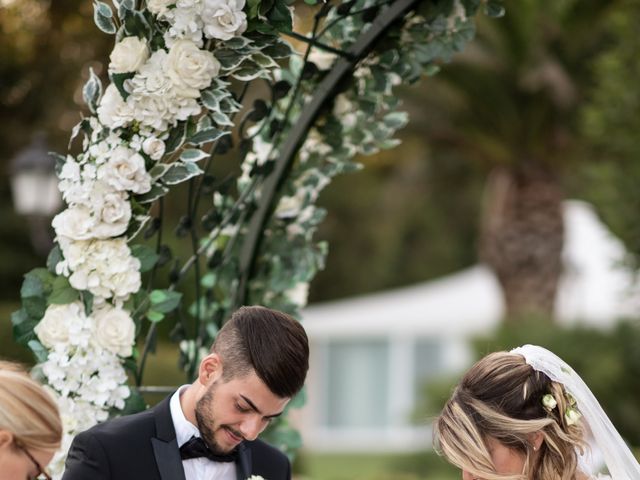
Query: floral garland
[168, 107]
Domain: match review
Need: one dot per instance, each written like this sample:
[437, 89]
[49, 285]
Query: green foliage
[610, 122]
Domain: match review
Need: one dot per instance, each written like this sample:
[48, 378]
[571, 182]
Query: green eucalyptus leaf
[396, 120]
[164, 301]
[37, 283]
[124, 5]
[54, 257]
[23, 325]
[179, 172]
[155, 317]
[133, 404]
[147, 256]
[62, 293]
[494, 8]
[40, 352]
[253, 9]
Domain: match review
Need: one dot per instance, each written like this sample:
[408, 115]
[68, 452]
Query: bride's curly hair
[501, 397]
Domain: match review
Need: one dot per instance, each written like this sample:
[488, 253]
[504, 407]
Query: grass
[390, 466]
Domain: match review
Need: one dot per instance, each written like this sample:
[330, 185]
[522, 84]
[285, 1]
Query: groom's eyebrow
[256, 409]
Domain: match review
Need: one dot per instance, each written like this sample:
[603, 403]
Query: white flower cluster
[164, 90]
[84, 362]
[195, 19]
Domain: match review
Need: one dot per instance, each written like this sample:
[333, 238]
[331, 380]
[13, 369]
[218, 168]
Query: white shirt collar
[184, 428]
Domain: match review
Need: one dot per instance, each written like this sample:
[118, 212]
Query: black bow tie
[196, 448]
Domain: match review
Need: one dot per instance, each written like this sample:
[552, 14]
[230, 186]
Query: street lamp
[34, 186]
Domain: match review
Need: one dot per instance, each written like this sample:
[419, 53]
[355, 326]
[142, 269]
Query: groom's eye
[242, 409]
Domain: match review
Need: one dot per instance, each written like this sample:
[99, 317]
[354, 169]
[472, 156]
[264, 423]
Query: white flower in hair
[549, 402]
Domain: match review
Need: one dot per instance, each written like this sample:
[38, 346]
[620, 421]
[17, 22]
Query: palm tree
[510, 103]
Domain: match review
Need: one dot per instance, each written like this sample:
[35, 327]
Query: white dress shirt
[196, 468]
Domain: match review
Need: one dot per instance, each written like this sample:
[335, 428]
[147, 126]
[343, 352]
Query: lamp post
[34, 186]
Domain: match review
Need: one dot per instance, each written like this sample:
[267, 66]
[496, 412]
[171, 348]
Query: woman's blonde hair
[27, 410]
[501, 397]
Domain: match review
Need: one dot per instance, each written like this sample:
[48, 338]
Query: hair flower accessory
[571, 416]
[549, 402]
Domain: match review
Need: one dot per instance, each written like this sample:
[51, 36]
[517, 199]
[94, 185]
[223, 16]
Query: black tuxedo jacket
[143, 446]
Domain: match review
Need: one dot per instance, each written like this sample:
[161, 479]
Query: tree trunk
[521, 238]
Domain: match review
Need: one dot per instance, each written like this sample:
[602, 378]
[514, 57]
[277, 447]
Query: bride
[527, 415]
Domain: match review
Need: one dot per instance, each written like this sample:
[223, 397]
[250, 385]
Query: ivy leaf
[249, 71]
[152, 195]
[278, 50]
[136, 24]
[124, 5]
[62, 293]
[118, 80]
[177, 136]
[179, 172]
[103, 17]
[205, 135]
[237, 42]
[228, 58]
[164, 301]
[193, 155]
[280, 16]
[396, 120]
[158, 170]
[210, 100]
[92, 91]
[253, 9]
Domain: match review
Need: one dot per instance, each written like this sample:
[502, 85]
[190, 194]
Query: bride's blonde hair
[501, 397]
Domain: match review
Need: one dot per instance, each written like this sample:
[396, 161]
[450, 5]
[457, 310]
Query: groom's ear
[210, 369]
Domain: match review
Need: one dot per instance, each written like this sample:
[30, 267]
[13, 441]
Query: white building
[371, 354]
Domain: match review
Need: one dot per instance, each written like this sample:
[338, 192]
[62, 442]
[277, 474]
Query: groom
[208, 429]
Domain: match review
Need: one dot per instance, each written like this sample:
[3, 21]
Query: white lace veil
[619, 460]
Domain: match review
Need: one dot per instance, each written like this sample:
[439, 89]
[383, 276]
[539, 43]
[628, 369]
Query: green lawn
[410, 466]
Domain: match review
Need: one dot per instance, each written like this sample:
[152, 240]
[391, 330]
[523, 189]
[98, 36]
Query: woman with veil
[527, 415]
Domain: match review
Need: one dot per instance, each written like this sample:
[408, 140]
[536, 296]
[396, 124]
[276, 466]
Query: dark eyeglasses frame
[41, 472]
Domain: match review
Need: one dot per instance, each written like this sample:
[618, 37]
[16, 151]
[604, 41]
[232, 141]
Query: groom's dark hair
[269, 342]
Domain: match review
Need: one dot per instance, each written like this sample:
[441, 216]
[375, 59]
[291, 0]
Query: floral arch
[183, 77]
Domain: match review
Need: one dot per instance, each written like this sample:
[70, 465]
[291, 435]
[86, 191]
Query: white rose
[154, 147]
[53, 329]
[128, 55]
[224, 19]
[159, 7]
[115, 331]
[113, 111]
[75, 223]
[112, 212]
[125, 170]
[190, 69]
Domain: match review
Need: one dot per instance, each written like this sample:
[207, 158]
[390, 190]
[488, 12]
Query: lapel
[243, 464]
[165, 445]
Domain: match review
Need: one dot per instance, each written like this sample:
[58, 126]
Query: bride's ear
[536, 440]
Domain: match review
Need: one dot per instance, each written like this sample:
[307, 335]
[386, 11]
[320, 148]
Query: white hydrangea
[104, 267]
[186, 23]
[159, 7]
[223, 19]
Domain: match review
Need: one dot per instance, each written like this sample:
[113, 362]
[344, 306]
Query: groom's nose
[252, 426]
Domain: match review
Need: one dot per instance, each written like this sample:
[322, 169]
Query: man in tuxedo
[208, 430]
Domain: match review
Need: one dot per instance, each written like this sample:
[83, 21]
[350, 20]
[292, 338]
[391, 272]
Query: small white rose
[224, 19]
[571, 416]
[549, 402]
[159, 7]
[128, 55]
[125, 171]
[54, 329]
[154, 147]
[115, 331]
[190, 69]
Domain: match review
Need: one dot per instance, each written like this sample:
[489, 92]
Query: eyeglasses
[42, 475]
